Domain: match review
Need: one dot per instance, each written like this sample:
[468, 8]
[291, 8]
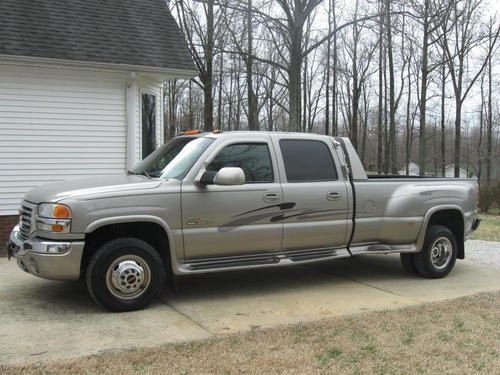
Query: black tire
[132, 255]
[408, 263]
[423, 260]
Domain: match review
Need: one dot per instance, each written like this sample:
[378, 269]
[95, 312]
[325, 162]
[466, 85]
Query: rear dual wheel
[437, 257]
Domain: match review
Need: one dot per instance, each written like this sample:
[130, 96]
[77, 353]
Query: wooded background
[407, 81]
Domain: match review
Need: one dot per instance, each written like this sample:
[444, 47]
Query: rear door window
[307, 161]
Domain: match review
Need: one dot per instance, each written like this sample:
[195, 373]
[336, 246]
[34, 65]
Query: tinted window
[307, 161]
[253, 158]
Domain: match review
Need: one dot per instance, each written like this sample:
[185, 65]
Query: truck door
[317, 195]
[221, 221]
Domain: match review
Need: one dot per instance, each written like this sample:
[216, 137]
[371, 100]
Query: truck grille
[25, 222]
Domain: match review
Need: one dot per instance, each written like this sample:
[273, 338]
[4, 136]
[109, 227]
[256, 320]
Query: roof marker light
[191, 132]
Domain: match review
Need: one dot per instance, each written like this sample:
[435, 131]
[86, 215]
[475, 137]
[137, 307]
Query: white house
[450, 172]
[413, 169]
[80, 89]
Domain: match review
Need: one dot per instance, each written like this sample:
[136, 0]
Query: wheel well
[454, 221]
[152, 233]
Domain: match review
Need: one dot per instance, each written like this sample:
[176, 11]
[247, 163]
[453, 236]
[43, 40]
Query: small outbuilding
[413, 169]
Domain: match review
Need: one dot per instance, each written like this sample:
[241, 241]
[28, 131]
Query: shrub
[496, 193]
[488, 195]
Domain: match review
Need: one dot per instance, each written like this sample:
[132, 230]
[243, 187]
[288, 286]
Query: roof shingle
[131, 32]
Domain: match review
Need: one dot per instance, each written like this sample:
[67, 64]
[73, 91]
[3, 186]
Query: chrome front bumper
[53, 260]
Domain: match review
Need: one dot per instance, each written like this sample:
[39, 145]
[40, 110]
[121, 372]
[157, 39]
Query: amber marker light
[57, 228]
[61, 212]
[191, 132]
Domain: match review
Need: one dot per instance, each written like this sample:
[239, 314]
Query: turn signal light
[62, 212]
[57, 228]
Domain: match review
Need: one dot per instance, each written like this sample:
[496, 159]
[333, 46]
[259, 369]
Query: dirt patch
[451, 337]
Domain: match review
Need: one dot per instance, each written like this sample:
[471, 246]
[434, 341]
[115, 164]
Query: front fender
[171, 234]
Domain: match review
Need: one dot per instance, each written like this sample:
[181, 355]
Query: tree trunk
[408, 126]
[191, 115]
[423, 96]
[380, 93]
[334, 84]
[172, 109]
[208, 111]
[458, 134]
[490, 114]
[443, 120]
[221, 81]
[392, 99]
[328, 56]
[355, 92]
[387, 154]
[270, 110]
[304, 95]
[294, 78]
[480, 142]
[253, 120]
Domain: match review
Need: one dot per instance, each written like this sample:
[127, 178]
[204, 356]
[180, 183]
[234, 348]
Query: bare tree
[467, 35]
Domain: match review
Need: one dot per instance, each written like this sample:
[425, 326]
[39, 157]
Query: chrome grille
[25, 222]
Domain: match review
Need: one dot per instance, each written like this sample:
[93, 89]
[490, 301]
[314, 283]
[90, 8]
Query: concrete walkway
[41, 320]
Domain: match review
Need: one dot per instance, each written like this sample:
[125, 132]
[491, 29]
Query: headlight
[54, 211]
[54, 217]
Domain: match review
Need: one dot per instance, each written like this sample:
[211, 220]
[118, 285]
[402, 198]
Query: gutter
[50, 62]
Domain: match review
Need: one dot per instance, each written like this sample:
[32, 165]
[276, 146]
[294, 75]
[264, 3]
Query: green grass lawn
[489, 230]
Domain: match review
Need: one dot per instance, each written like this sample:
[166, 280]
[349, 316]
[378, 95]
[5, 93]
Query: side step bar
[261, 260]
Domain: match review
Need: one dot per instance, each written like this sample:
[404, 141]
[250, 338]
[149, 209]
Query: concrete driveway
[41, 320]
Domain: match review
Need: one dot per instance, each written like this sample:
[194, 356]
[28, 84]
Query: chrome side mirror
[230, 176]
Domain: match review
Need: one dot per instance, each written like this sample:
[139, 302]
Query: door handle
[333, 196]
[272, 197]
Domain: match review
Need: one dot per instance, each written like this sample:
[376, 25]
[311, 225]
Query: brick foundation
[6, 225]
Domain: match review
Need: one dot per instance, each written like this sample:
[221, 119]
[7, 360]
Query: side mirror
[230, 176]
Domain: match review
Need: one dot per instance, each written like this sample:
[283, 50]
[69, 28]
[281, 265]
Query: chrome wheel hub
[128, 277]
[441, 253]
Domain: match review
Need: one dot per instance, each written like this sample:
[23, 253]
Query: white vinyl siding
[58, 124]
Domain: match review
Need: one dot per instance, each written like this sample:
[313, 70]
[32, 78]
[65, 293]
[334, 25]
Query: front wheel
[438, 255]
[125, 274]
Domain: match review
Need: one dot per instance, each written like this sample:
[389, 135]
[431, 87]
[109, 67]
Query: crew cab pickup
[237, 200]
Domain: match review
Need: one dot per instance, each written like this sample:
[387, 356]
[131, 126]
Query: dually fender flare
[427, 218]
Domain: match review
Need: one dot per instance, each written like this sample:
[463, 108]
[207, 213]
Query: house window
[148, 124]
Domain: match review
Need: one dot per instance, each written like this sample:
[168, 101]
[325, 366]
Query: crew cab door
[315, 193]
[221, 221]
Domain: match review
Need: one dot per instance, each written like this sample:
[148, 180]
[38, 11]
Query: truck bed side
[393, 213]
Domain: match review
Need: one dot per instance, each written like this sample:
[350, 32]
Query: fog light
[58, 248]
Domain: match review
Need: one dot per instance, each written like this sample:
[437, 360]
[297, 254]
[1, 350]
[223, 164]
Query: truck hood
[57, 191]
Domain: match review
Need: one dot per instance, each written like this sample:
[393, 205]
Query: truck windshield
[173, 159]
